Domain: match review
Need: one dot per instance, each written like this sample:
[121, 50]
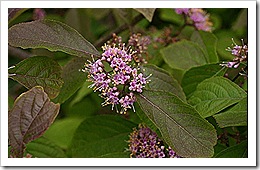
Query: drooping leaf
[162, 80]
[38, 71]
[235, 116]
[30, 117]
[52, 35]
[102, 136]
[44, 148]
[208, 42]
[14, 13]
[215, 94]
[195, 75]
[73, 79]
[184, 55]
[147, 12]
[181, 125]
[237, 151]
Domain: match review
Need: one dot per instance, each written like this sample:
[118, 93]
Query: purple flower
[182, 10]
[144, 143]
[115, 70]
[197, 16]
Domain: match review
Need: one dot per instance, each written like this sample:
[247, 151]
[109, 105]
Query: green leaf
[237, 151]
[73, 79]
[61, 131]
[240, 25]
[195, 75]
[215, 94]
[224, 41]
[30, 117]
[52, 35]
[44, 148]
[208, 42]
[235, 116]
[82, 92]
[184, 55]
[162, 80]
[180, 125]
[147, 12]
[38, 71]
[14, 13]
[102, 136]
[168, 14]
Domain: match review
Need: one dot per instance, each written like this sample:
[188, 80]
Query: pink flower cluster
[115, 77]
[198, 17]
[144, 143]
[240, 52]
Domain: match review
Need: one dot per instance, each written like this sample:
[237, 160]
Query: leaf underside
[30, 117]
[147, 12]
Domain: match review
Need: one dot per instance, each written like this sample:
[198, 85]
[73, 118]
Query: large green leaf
[237, 151]
[195, 75]
[44, 148]
[73, 79]
[102, 136]
[180, 125]
[61, 131]
[52, 35]
[147, 12]
[235, 116]
[215, 94]
[162, 80]
[30, 117]
[208, 42]
[38, 71]
[184, 55]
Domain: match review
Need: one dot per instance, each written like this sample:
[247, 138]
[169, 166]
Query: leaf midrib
[151, 103]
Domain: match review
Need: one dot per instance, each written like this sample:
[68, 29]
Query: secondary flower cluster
[198, 17]
[116, 76]
[240, 53]
[144, 143]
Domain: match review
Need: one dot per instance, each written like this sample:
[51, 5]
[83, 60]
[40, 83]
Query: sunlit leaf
[184, 55]
[102, 136]
[215, 94]
[195, 75]
[237, 151]
[162, 80]
[30, 117]
[147, 12]
[44, 148]
[235, 116]
[208, 43]
[180, 125]
[73, 79]
[38, 71]
[52, 35]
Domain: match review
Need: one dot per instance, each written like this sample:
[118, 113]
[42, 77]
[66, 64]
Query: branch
[123, 27]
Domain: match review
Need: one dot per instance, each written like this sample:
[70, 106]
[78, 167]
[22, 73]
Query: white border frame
[250, 161]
